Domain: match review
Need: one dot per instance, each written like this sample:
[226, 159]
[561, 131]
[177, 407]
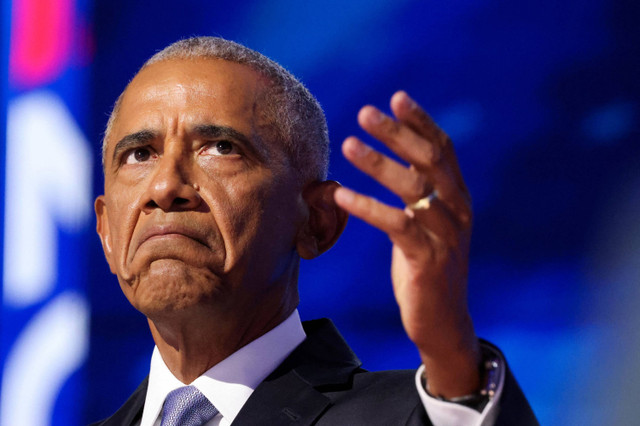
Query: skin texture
[204, 227]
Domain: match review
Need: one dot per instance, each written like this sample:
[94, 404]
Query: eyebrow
[132, 140]
[212, 131]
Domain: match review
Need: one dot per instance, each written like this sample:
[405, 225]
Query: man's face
[201, 208]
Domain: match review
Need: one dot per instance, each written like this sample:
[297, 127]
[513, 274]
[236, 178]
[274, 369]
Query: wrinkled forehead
[212, 90]
[195, 84]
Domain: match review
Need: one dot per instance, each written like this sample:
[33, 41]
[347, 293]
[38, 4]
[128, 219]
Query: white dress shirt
[229, 384]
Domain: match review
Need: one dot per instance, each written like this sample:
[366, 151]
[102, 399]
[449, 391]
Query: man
[215, 163]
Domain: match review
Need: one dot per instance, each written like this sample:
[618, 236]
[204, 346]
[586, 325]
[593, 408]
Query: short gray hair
[293, 112]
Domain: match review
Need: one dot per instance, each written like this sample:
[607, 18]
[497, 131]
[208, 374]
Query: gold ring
[423, 203]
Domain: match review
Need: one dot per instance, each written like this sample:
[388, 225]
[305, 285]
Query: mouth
[171, 231]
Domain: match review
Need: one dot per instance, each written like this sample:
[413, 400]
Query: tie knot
[187, 406]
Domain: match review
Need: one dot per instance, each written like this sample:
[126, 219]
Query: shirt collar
[230, 383]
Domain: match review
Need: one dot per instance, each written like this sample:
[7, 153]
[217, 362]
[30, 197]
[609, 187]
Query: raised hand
[430, 237]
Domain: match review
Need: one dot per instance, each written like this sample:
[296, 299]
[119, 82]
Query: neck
[191, 347]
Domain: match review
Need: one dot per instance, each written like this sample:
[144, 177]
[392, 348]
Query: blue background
[542, 101]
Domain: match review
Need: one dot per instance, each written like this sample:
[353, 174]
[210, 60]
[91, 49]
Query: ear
[102, 227]
[325, 222]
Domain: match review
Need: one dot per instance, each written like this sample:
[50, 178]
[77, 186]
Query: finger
[438, 219]
[411, 114]
[424, 156]
[401, 229]
[455, 196]
[407, 144]
[409, 185]
[413, 148]
[451, 194]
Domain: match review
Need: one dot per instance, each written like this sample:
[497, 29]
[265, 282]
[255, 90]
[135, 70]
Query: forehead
[174, 92]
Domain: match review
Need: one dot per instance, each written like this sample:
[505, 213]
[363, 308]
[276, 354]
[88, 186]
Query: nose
[170, 188]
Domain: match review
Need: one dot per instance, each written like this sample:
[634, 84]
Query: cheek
[123, 212]
[247, 211]
[243, 209]
[273, 219]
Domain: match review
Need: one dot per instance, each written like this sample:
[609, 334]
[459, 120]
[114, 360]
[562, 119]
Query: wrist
[489, 375]
[454, 373]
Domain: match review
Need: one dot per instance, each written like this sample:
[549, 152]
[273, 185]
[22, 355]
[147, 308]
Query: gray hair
[293, 112]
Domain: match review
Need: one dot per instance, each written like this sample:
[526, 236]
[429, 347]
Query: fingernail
[358, 148]
[344, 195]
[408, 102]
[375, 117]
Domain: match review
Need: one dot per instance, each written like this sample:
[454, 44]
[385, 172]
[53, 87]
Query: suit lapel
[292, 394]
[285, 400]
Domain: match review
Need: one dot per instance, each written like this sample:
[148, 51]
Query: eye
[222, 147]
[138, 155]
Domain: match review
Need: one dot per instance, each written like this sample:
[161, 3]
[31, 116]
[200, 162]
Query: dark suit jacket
[322, 383]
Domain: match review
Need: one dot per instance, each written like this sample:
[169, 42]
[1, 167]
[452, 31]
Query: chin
[170, 287]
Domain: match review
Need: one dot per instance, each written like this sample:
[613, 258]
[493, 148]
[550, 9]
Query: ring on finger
[423, 203]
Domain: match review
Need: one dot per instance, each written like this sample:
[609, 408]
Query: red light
[41, 37]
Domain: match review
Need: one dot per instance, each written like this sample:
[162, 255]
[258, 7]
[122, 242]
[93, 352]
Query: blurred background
[541, 99]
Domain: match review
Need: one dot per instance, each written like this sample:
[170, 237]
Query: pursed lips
[168, 230]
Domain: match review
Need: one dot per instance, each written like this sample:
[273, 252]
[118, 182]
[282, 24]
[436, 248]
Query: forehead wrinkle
[176, 94]
[182, 89]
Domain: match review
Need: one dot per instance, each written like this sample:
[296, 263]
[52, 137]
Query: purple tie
[187, 406]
